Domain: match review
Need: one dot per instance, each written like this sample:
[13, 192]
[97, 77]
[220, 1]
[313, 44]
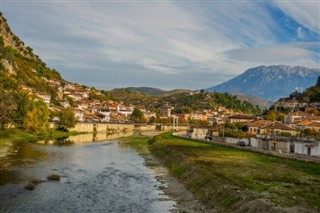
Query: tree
[272, 115]
[37, 118]
[8, 89]
[7, 106]
[137, 116]
[153, 120]
[67, 119]
[24, 104]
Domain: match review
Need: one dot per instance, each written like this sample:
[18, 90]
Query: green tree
[153, 120]
[7, 106]
[37, 118]
[24, 104]
[137, 116]
[67, 119]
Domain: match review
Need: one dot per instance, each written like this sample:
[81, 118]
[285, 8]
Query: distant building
[104, 114]
[254, 127]
[126, 111]
[65, 103]
[79, 114]
[240, 118]
[45, 97]
[313, 126]
[295, 117]
[166, 111]
[277, 128]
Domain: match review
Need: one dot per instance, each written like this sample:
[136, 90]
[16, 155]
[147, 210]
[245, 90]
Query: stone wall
[116, 128]
[199, 133]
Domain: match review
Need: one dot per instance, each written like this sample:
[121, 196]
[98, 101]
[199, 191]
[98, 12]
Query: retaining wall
[116, 128]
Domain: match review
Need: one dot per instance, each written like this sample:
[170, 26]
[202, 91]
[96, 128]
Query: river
[103, 176]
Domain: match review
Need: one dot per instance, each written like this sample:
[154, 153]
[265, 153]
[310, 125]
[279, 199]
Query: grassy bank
[140, 143]
[18, 135]
[237, 180]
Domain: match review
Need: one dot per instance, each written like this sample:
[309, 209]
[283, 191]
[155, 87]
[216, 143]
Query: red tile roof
[314, 124]
[259, 123]
[277, 125]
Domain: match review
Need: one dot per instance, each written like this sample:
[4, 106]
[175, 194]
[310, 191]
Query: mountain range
[270, 82]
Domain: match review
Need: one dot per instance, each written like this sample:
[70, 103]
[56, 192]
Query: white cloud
[306, 13]
[300, 33]
[207, 41]
[294, 54]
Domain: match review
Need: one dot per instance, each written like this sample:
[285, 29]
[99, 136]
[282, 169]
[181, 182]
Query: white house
[79, 114]
[307, 148]
[45, 97]
[105, 114]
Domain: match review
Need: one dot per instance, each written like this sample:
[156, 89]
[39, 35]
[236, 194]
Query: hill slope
[254, 100]
[155, 91]
[19, 63]
[270, 82]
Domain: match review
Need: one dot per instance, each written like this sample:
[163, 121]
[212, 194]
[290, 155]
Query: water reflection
[22, 153]
[87, 138]
[95, 177]
[17, 153]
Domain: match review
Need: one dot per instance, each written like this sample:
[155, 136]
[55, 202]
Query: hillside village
[220, 114]
[87, 109]
[300, 121]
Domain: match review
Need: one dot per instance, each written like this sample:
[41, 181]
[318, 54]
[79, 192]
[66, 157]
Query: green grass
[14, 135]
[140, 143]
[225, 178]
[19, 135]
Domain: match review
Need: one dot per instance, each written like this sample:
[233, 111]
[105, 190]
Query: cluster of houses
[289, 136]
[217, 115]
[87, 109]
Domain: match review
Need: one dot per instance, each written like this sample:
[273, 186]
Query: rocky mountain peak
[270, 82]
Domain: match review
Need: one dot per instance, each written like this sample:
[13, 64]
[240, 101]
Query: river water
[103, 176]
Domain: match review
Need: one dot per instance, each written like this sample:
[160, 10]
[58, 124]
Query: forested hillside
[204, 100]
[313, 93]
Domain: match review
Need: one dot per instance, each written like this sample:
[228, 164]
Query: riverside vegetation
[229, 179]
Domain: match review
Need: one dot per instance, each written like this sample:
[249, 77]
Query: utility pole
[223, 131]
[175, 123]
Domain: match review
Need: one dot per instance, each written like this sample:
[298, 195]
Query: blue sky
[166, 44]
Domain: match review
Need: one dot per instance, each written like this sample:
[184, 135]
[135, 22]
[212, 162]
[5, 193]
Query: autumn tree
[271, 115]
[37, 118]
[67, 119]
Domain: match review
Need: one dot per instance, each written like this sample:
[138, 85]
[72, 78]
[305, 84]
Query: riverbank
[185, 201]
[228, 179]
[19, 135]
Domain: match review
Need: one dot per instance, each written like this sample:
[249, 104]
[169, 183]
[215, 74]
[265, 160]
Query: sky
[165, 44]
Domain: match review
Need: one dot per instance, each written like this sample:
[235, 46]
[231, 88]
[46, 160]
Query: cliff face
[18, 63]
[11, 40]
